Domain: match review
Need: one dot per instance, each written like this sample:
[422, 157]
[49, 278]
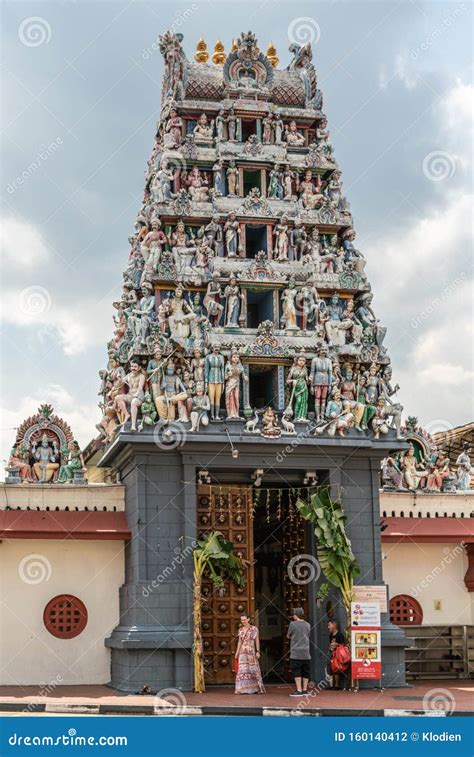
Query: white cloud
[455, 113]
[21, 245]
[423, 293]
[402, 70]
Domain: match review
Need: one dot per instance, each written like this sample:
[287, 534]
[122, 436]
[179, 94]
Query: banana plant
[213, 557]
[335, 555]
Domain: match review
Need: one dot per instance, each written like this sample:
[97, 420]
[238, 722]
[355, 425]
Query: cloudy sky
[81, 89]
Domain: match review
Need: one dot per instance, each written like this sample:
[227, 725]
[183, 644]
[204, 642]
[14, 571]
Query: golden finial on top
[234, 46]
[201, 56]
[219, 55]
[272, 55]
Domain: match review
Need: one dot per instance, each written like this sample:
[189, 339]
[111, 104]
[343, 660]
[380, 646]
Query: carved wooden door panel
[227, 509]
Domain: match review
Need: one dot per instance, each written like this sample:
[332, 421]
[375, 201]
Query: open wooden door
[227, 509]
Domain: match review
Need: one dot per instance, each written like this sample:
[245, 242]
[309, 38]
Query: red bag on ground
[341, 659]
[236, 664]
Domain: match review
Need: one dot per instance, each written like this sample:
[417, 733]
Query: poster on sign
[365, 641]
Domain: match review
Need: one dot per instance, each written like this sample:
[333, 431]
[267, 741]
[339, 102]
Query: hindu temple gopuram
[246, 364]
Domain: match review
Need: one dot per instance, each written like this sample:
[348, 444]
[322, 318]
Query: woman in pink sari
[249, 678]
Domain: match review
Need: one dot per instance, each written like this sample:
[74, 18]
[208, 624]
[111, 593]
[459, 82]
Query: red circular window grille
[65, 616]
[405, 611]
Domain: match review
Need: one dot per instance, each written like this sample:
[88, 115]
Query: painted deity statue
[215, 377]
[203, 130]
[75, 461]
[220, 124]
[162, 183]
[464, 469]
[212, 301]
[288, 178]
[183, 249]
[282, 241]
[413, 472]
[308, 302]
[200, 407]
[154, 372]
[294, 138]
[348, 389]
[297, 380]
[173, 396]
[298, 240]
[267, 133]
[46, 456]
[232, 174]
[231, 121]
[270, 427]
[142, 316]
[197, 186]
[181, 315]
[278, 128]
[152, 247]
[275, 189]
[129, 404]
[214, 234]
[321, 378]
[310, 193]
[219, 178]
[231, 233]
[338, 414]
[174, 126]
[234, 299]
[234, 372]
[18, 459]
[288, 300]
[149, 413]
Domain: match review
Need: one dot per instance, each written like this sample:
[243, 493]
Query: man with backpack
[339, 655]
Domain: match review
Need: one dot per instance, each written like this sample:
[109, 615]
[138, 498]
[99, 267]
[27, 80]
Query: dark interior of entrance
[263, 389]
[249, 127]
[252, 180]
[259, 308]
[255, 240]
[279, 536]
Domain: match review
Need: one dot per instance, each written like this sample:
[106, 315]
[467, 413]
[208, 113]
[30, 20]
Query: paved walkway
[437, 697]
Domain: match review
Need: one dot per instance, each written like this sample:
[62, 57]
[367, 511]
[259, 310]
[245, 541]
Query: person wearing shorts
[300, 657]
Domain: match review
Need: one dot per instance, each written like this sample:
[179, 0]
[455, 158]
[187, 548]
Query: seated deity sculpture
[203, 130]
[294, 138]
[198, 188]
[46, 455]
[310, 193]
[173, 396]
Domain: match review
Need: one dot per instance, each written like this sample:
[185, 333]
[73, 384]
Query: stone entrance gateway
[269, 536]
[164, 505]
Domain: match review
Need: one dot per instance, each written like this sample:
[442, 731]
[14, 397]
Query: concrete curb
[219, 711]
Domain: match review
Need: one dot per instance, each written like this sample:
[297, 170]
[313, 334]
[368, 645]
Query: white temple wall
[431, 573]
[32, 572]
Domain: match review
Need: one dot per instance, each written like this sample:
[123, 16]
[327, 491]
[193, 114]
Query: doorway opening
[256, 240]
[259, 308]
[249, 127]
[263, 386]
[252, 180]
[280, 535]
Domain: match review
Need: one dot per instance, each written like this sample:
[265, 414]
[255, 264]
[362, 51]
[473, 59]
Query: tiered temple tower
[246, 364]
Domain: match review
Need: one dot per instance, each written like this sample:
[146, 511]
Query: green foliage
[215, 556]
[323, 591]
[334, 550]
